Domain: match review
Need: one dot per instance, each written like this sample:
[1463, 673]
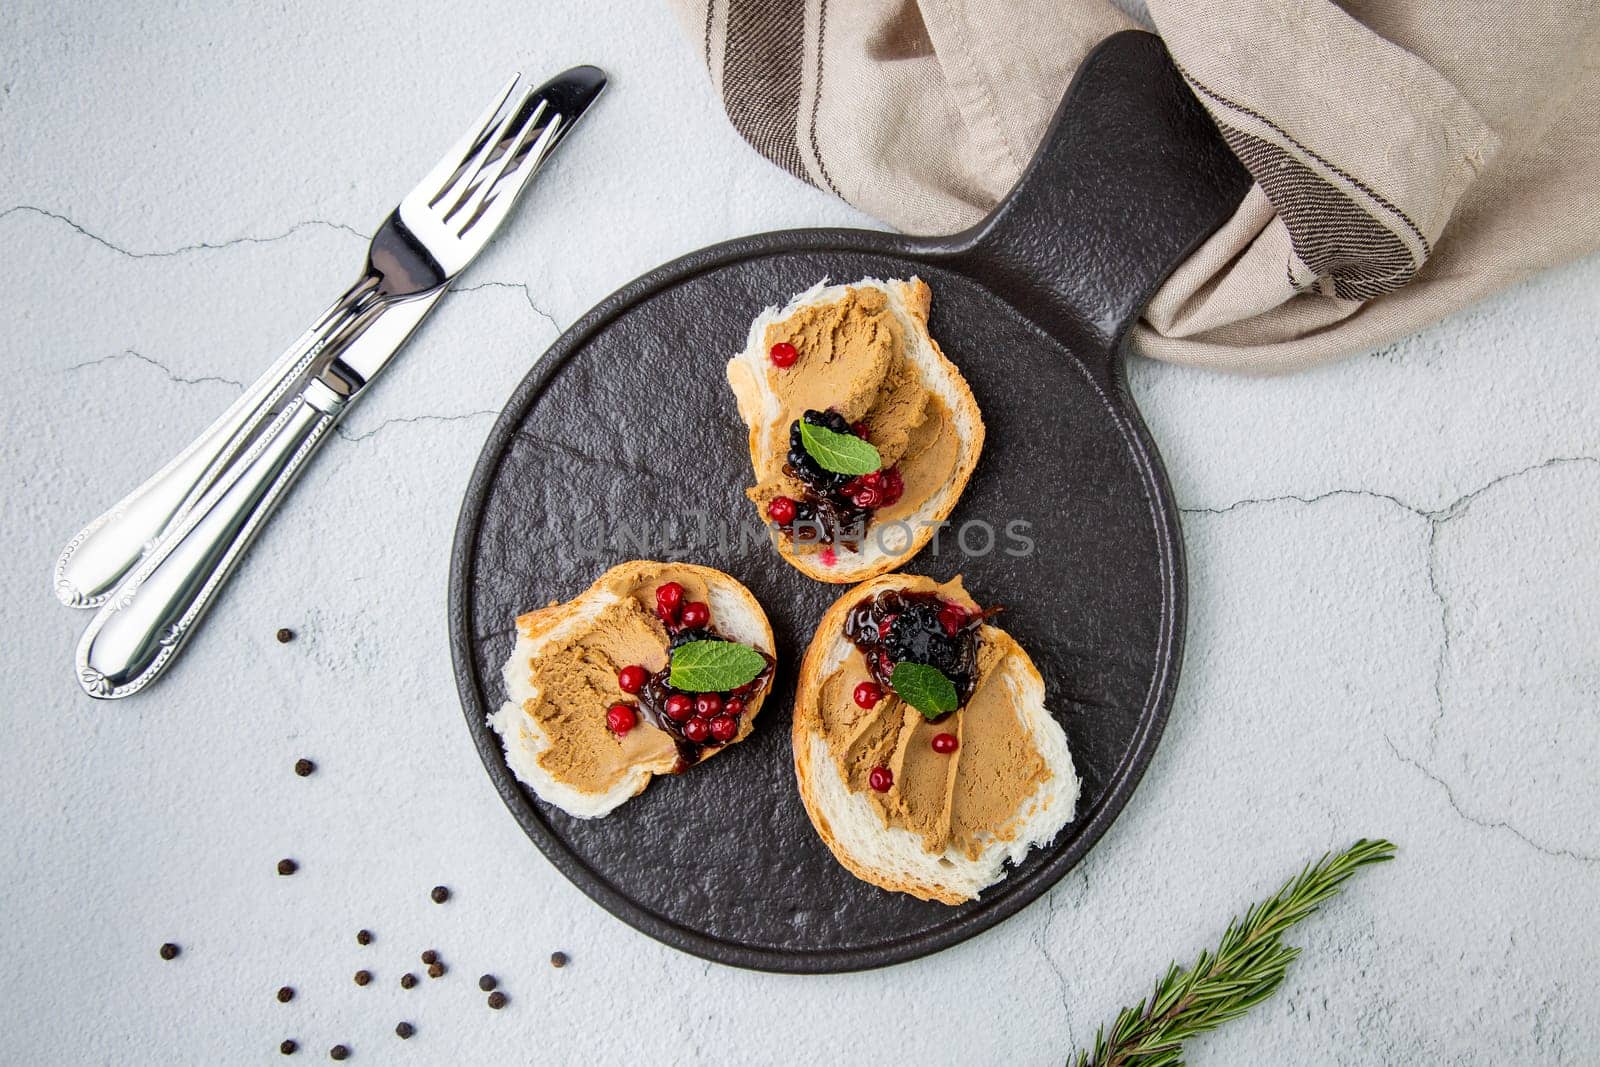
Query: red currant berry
[679, 707]
[952, 617]
[860, 430]
[631, 679]
[669, 596]
[783, 355]
[697, 730]
[707, 704]
[723, 727]
[868, 694]
[694, 615]
[868, 497]
[880, 779]
[944, 744]
[620, 719]
[892, 486]
[781, 510]
[734, 707]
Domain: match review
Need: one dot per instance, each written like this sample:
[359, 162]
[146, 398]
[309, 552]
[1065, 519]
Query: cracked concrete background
[1392, 627]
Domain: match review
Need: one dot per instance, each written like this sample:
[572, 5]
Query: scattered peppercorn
[435, 970]
[407, 980]
[303, 767]
[558, 959]
[363, 937]
[285, 994]
[285, 635]
[430, 956]
[497, 1000]
[404, 1030]
[289, 1047]
[363, 977]
[339, 1052]
[169, 951]
[440, 894]
[287, 867]
[487, 983]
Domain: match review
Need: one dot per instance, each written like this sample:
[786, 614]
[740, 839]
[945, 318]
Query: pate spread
[852, 359]
[576, 678]
[964, 799]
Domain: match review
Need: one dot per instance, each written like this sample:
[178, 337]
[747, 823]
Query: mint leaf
[924, 688]
[714, 666]
[841, 453]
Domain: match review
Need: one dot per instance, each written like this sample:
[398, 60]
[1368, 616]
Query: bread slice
[857, 831]
[735, 614]
[752, 375]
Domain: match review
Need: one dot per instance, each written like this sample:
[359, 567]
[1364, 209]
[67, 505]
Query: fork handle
[104, 551]
[135, 635]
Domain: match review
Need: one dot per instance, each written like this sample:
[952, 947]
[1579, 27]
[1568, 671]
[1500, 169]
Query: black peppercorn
[303, 767]
[430, 956]
[558, 959]
[407, 980]
[440, 894]
[285, 635]
[287, 867]
[435, 970]
[487, 983]
[169, 951]
[289, 1047]
[363, 977]
[404, 1030]
[339, 1052]
[285, 994]
[363, 937]
[497, 1000]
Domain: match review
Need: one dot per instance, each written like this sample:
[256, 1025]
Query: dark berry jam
[834, 508]
[733, 704]
[897, 627]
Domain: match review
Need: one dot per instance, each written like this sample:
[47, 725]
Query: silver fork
[106, 550]
[208, 504]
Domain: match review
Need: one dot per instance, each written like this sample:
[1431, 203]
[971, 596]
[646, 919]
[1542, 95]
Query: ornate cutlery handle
[104, 551]
[140, 629]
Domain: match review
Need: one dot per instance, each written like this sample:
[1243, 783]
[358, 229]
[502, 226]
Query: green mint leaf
[841, 453]
[924, 688]
[714, 666]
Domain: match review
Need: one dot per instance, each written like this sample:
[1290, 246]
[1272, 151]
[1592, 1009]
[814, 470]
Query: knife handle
[104, 551]
[134, 637]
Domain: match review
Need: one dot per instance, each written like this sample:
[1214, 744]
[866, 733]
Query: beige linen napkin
[1410, 156]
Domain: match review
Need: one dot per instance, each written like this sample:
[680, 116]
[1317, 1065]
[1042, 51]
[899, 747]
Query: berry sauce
[714, 718]
[834, 508]
[897, 627]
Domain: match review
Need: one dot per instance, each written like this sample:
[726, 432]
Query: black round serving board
[627, 423]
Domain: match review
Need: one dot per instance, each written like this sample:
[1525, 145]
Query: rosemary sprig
[1247, 968]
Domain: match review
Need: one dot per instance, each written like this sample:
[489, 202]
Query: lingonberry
[620, 719]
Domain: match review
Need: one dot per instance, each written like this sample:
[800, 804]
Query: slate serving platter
[627, 424]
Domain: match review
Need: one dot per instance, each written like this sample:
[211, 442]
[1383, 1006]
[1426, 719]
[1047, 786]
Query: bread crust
[917, 300]
[806, 734]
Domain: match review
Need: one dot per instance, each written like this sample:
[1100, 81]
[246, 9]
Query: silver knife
[437, 230]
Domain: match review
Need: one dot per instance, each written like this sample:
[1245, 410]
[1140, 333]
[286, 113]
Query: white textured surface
[1393, 623]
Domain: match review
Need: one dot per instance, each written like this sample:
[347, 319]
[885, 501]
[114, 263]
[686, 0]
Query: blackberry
[683, 637]
[896, 627]
[809, 471]
[918, 636]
